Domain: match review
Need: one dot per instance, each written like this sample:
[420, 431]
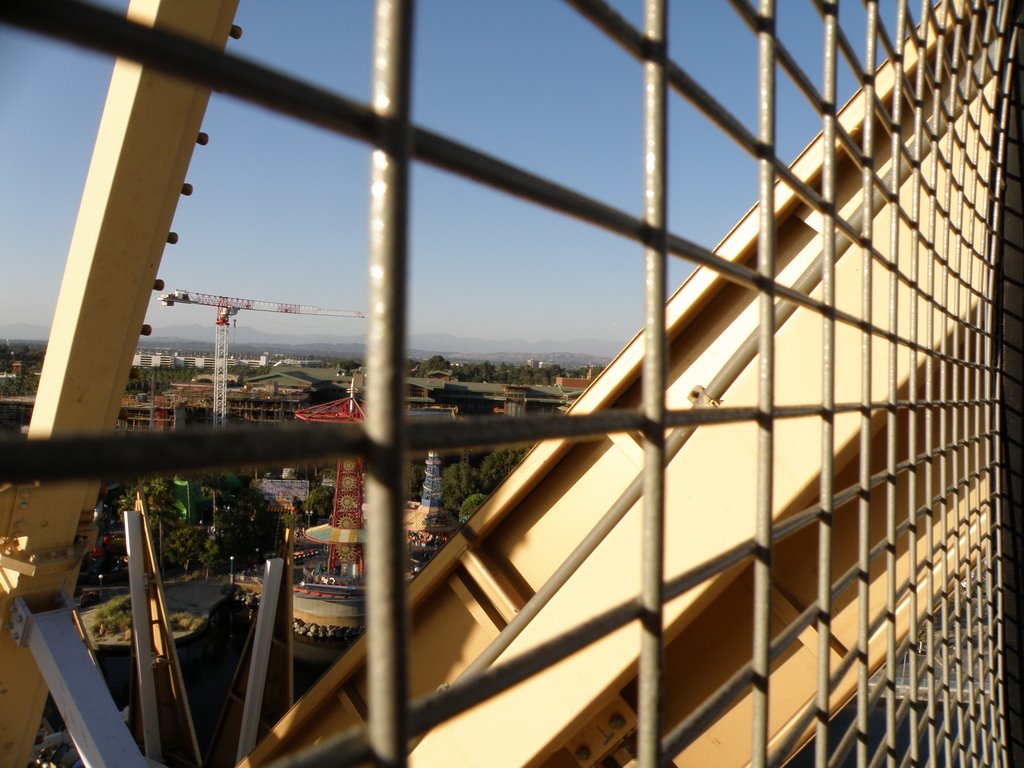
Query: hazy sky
[280, 210]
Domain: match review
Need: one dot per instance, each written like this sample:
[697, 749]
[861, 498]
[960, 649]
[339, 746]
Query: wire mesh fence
[898, 299]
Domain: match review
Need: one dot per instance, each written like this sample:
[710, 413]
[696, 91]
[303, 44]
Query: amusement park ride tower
[345, 533]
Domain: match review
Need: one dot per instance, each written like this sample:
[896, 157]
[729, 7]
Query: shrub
[183, 621]
[113, 618]
[469, 506]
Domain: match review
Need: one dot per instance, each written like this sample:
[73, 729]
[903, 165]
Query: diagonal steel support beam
[274, 570]
[77, 687]
[160, 717]
[143, 149]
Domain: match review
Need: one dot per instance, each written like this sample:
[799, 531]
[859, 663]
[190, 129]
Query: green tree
[20, 385]
[435, 363]
[234, 532]
[417, 474]
[343, 363]
[287, 519]
[498, 464]
[319, 502]
[210, 485]
[470, 505]
[458, 482]
[162, 510]
[156, 380]
[246, 527]
[187, 544]
[209, 555]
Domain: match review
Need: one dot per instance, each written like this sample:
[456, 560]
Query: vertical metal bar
[971, 466]
[916, 296]
[954, 254]
[1009, 202]
[986, 603]
[989, 602]
[929, 416]
[943, 592]
[828, 385]
[385, 491]
[986, 615]
[891, 415]
[864, 469]
[1012, 58]
[951, 697]
[651, 691]
[976, 710]
[761, 662]
[994, 394]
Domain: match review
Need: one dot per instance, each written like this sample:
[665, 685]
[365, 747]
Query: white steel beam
[77, 687]
[142, 632]
[262, 641]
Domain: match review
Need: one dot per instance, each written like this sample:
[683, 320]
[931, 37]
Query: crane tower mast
[227, 307]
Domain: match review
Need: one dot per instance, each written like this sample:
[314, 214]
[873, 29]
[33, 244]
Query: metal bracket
[604, 733]
[40, 561]
[701, 399]
[96, 727]
[20, 623]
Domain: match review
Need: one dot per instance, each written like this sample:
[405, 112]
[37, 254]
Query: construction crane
[228, 307]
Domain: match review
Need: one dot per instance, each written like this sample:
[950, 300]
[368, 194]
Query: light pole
[101, 586]
[231, 567]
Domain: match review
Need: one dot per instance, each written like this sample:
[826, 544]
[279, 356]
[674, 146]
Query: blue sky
[280, 210]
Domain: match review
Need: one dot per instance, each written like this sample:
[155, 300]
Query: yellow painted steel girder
[533, 521]
[143, 148]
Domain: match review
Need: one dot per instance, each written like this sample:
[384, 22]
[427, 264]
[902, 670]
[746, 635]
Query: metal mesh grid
[952, 155]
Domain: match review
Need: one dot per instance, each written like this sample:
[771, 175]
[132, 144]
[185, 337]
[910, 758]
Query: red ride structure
[347, 516]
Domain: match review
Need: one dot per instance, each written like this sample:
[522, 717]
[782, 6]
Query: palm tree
[209, 487]
[161, 508]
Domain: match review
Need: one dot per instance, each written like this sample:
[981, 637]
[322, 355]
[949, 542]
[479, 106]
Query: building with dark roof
[275, 396]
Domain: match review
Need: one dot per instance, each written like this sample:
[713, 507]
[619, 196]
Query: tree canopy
[470, 505]
[188, 544]
[497, 465]
[461, 481]
[502, 373]
[319, 502]
[246, 528]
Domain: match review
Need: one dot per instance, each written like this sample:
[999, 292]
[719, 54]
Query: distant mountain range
[246, 340]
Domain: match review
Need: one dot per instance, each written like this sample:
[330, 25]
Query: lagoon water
[208, 665]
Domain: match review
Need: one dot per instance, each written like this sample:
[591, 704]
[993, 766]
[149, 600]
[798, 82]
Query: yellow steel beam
[177, 734]
[143, 149]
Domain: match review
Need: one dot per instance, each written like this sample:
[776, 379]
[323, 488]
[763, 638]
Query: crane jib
[227, 307]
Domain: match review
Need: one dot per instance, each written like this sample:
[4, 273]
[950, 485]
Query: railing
[916, 451]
